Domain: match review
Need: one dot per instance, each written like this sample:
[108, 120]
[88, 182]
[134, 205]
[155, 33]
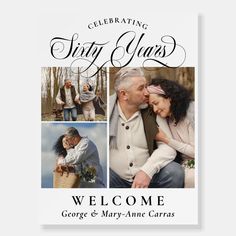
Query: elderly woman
[172, 101]
[86, 99]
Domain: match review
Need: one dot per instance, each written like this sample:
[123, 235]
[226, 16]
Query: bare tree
[48, 90]
[78, 79]
[57, 76]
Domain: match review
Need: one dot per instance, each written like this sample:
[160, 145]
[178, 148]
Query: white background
[182, 202]
[20, 116]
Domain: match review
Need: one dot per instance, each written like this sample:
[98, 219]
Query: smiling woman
[169, 98]
[172, 101]
[160, 105]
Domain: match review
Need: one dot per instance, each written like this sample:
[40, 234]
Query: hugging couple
[151, 132]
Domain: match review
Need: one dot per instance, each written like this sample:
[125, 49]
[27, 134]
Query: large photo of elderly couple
[151, 135]
[151, 117]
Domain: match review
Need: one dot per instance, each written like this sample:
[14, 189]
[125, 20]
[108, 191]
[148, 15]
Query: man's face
[137, 93]
[68, 84]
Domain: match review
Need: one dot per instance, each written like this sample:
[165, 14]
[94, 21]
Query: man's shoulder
[112, 102]
[86, 141]
[113, 98]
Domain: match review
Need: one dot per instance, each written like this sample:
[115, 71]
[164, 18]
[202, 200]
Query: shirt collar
[121, 114]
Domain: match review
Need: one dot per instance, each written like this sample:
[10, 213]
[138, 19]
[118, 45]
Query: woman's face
[69, 140]
[160, 105]
[85, 87]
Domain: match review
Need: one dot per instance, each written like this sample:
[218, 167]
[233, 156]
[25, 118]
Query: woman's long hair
[58, 147]
[180, 97]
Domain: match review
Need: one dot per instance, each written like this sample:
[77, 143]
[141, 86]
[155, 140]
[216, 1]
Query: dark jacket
[63, 95]
[149, 123]
[150, 128]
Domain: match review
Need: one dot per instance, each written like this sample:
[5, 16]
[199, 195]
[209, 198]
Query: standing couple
[145, 140]
[69, 98]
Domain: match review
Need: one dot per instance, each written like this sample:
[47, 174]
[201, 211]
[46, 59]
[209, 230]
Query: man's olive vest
[63, 94]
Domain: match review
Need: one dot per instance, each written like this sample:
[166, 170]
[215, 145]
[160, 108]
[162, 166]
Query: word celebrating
[117, 20]
[129, 47]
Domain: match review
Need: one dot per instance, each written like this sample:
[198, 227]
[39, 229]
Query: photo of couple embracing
[151, 129]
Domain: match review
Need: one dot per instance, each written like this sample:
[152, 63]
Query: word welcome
[118, 200]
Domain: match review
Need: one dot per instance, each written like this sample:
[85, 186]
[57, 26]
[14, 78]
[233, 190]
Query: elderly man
[68, 97]
[136, 159]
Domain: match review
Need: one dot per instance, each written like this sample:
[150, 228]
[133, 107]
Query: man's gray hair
[65, 80]
[72, 132]
[123, 75]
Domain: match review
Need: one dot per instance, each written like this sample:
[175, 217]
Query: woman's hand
[161, 136]
[77, 101]
[60, 160]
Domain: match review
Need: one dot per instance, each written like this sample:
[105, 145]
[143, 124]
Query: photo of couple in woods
[68, 95]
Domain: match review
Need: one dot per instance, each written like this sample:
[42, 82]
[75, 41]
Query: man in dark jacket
[68, 97]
